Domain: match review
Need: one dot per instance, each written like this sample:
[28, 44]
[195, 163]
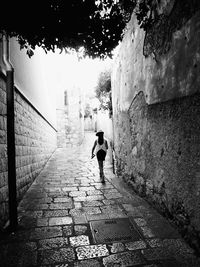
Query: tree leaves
[98, 26]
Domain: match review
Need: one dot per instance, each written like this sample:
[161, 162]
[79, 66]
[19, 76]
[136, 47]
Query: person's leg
[100, 162]
[101, 169]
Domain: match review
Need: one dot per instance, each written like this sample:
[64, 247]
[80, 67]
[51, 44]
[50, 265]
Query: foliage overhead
[95, 25]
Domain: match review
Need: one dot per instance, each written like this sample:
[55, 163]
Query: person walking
[100, 147]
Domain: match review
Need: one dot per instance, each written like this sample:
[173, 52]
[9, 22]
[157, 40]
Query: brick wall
[35, 142]
[3, 154]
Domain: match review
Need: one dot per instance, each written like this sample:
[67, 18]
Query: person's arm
[95, 143]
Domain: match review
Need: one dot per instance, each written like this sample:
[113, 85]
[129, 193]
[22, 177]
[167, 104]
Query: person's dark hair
[100, 139]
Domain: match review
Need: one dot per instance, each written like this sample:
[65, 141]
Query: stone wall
[156, 114]
[70, 119]
[158, 154]
[70, 128]
[3, 154]
[35, 142]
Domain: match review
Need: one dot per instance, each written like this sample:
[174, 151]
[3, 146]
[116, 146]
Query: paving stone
[70, 188]
[67, 230]
[58, 194]
[133, 258]
[42, 222]
[85, 184]
[92, 203]
[102, 186]
[92, 251]
[55, 213]
[86, 188]
[62, 200]
[60, 220]
[140, 222]
[87, 263]
[80, 199]
[53, 189]
[18, 254]
[70, 171]
[91, 210]
[77, 205]
[157, 254]
[32, 206]
[136, 245]
[113, 211]
[61, 206]
[93, 198]
[155, 243]
[100, 216]
[46, 232]
[35, 213]
[80, 229]
[81, 240]
[109, 202]
[77, 194]
[94, 192]
[109, 190]
[80, 219]
[117, 247]
[52, 243]
[28, 222]
[147, 232]
[112, 195]
[178, 246]
[56, 256]
[76, 212]
[133, 211]
[158, 226]
[35, 194]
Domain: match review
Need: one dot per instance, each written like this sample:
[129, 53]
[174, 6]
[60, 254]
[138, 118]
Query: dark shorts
[101, 154]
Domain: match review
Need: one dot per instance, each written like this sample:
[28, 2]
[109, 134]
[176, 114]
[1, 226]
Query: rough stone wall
[35, 142]
[157, 128]
[158, 154]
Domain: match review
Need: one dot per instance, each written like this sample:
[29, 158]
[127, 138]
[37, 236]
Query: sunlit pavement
[69, 218]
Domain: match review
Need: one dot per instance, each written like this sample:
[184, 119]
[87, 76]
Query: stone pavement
[68, 218]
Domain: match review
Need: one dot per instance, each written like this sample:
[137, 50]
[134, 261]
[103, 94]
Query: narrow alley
[69, 218]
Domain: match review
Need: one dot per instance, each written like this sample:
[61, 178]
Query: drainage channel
[113, 230]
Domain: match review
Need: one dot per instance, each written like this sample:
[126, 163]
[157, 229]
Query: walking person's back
[100, 147]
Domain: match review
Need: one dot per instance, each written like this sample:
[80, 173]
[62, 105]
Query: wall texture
[70, 118]
[159, 77]
[35, 142]
[3, 154]
[156, 114]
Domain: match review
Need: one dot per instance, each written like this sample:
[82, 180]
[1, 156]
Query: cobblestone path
[69, 218]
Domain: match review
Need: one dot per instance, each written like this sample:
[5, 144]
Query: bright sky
[70, 71]
[43, 78]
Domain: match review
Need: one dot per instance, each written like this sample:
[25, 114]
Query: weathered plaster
[172, 75]
[156, 116]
